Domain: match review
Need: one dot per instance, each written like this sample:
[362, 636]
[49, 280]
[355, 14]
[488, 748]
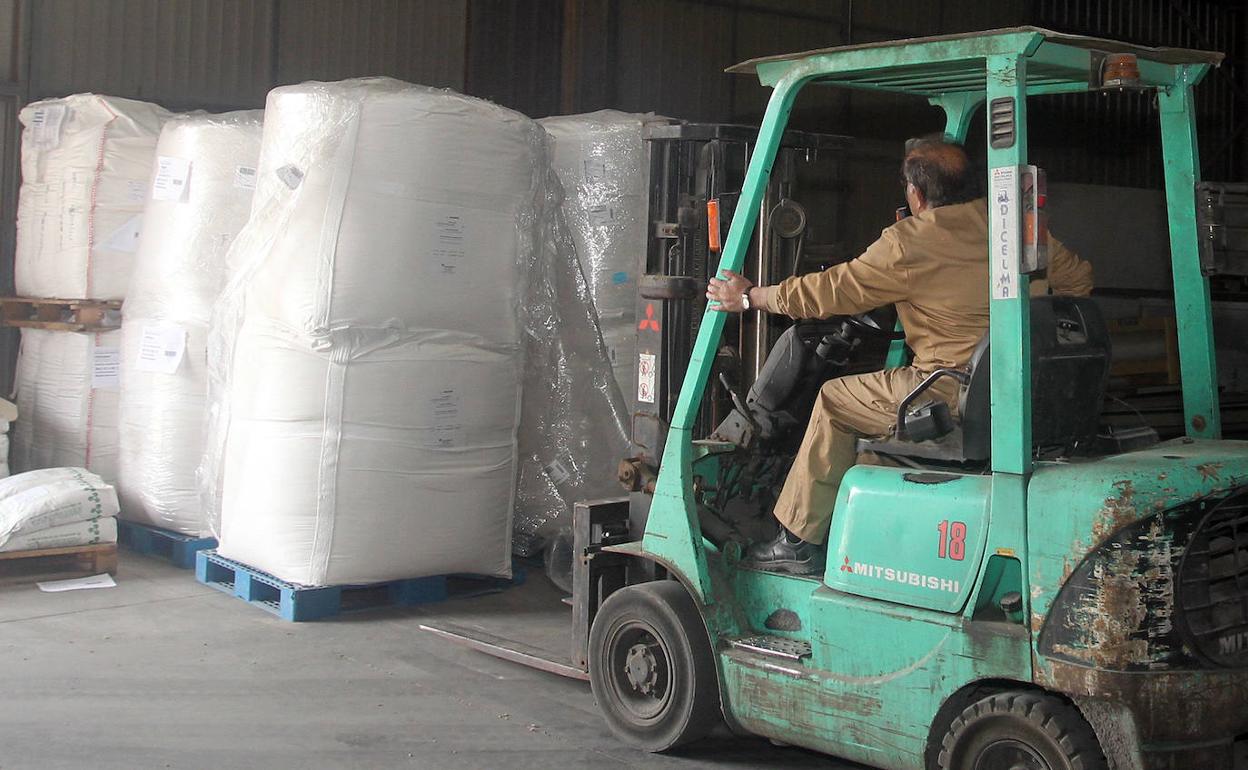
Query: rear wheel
[651, 667]
[1020, 731]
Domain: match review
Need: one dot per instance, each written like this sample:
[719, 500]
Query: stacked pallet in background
[368, 353]
[200, 199]
[86, 161]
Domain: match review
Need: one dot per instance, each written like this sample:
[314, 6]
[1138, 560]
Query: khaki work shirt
[934, 267]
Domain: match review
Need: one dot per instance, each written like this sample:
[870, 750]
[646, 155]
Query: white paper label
[126, 237]
[290, 175]
[444, 416]
[45, 124]
[1003, 224]
[646, 372]
[245, 177]
[595, 169]
[448, 249]
[557, 472]
[172, 175]
[106, 368]
[600, 215]
[161, 349]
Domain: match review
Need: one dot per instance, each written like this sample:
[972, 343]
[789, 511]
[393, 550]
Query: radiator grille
[1213, 583]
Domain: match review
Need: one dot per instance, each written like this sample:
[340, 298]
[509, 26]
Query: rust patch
[1169, 706]
[1117, 512]
[1123, 616]
[1210, 471]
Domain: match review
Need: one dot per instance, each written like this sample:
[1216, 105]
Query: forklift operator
[933, 266]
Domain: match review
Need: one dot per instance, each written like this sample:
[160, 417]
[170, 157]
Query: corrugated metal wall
[1118, 132]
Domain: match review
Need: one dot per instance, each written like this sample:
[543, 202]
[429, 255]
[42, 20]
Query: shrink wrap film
[604, 164]
[199, 199]
[85, 164]
[365, 356]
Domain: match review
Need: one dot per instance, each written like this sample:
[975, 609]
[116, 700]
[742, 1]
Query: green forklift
[1011, 592]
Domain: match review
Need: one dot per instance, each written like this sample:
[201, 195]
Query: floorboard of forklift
[161, 671]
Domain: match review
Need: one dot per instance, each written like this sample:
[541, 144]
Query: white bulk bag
[200, 197]
[67, 393]
[85, 165]
[396, 462]
[30, 502]
[366, 356]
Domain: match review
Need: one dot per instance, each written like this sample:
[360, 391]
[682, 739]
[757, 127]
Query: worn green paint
[885, 658]
[1191, 287]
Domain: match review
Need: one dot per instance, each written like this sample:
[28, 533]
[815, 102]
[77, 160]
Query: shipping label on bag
[45, 124]
[106, 367]
[448, 248]
[161, 349]
[245, 177]
[173, 175]
[447, 428]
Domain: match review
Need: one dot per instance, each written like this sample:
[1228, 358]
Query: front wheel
[1020, 731]
[651, 667]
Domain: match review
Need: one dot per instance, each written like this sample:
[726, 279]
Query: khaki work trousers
[847, 408]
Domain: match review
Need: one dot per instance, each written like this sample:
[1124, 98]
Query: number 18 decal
[952, 543]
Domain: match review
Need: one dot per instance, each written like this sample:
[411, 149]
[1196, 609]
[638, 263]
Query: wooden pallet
[78, 559]
[68, 315]
[297, 603]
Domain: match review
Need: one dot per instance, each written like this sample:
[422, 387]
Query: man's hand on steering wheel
[730, 292]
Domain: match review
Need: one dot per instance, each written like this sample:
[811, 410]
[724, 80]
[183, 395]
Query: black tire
[651, 667]
[1020, 731]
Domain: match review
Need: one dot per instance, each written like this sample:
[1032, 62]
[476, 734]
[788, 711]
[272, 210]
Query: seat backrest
[1070, 356]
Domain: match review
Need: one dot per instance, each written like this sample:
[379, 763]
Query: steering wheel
[866, 323]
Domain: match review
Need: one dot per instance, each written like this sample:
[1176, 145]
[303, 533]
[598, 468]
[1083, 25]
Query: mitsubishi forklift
[1014, 590]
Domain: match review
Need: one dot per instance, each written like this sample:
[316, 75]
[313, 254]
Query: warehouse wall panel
[515, 54]
[179, 53]
[422, 41]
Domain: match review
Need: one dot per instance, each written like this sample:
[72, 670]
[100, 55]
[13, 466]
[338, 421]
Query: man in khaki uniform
[934, 267]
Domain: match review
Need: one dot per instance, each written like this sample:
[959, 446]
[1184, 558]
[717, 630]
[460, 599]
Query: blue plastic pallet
[174, 547]
[296, 603]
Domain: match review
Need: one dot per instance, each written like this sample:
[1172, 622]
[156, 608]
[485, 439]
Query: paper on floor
[103, 580]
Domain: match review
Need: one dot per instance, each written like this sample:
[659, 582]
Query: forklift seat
[1070, 356]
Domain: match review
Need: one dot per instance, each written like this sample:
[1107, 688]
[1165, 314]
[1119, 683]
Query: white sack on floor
[85, 165]
[89, 532]
[604, 165]
[30, 502]
[199, 199]
[368, 348]
[67, 393]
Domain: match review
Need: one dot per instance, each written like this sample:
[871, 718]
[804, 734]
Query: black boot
[786, 553]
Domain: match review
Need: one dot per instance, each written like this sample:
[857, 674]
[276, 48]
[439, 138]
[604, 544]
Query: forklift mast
[693, 165]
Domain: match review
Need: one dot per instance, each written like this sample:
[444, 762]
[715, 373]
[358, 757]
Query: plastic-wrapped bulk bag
[67, 393]
[402, 207]
[366, 356]
[200, 198]
[604, 165]
[85, 166]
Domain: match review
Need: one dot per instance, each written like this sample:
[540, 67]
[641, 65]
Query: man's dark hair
[941, 171]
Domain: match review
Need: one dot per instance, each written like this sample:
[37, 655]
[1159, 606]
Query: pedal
[777, 646]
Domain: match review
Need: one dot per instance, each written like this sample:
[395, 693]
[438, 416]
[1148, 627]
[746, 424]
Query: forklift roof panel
[930, 66]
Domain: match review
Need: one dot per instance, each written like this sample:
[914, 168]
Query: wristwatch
[745, 300]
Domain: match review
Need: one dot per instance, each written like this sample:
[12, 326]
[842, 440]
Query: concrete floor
[162, 672]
